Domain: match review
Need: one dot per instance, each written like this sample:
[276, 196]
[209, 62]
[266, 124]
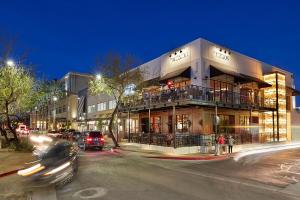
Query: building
[201, 90]
[62, 113]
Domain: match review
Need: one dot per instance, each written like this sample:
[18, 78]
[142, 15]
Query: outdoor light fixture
[10, 63]
[54, 98]
[98, 76]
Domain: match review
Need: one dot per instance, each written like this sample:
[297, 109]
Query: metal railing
[201, 94]
[181, 140]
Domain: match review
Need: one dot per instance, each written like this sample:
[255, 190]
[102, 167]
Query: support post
[149, 124]
[273, 116]
[217, 150]
[277, 108]
[173, 126]
[129, 134]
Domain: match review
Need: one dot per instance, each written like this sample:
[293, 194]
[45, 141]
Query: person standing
[221, 142]
[230, 144]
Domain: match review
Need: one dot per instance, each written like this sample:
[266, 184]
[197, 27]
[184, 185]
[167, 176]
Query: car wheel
[100, 148]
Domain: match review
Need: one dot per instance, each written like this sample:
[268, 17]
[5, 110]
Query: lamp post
[36, 124]
[10, 63]
[54, 112]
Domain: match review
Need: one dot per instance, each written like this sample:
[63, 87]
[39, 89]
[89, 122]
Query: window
[101, 106]
[156, 124]
[91, 108]
[182, 123]
[111, 104]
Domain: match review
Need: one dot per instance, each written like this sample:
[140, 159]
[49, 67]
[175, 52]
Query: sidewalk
[10, 184]
[11, 160]
[148, 153]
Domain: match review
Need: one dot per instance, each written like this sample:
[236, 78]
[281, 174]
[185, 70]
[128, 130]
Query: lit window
[111, 104]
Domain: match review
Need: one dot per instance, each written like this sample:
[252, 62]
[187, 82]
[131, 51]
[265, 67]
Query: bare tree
[117, 73]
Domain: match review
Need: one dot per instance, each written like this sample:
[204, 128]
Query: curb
[9, 173]
[189, 158]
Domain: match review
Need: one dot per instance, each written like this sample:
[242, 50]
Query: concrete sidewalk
[149, 153]
[11, 160]
[11, 186]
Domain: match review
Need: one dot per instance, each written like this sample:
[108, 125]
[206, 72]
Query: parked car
[91, 139]
[22, 130]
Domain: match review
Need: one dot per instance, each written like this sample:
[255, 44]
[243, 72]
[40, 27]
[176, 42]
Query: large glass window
[182, 123]
[156, 124]
[112, 104]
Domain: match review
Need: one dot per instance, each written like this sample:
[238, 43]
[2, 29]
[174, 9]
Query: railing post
[173, 126]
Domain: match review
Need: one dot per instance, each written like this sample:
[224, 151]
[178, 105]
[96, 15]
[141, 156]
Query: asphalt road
[128, 175]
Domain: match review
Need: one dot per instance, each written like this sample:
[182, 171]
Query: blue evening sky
[65, 35]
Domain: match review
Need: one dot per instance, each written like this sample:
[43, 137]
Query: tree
[16, 94]
[117, 74]
[45, 90]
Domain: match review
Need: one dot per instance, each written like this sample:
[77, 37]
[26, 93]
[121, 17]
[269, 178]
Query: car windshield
[57, 150]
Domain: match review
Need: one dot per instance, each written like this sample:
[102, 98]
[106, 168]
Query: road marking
[90, 193]
[227, 179]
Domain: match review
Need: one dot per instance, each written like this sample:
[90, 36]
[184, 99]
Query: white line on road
[230, 180]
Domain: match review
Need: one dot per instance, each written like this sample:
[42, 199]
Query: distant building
[62, 113]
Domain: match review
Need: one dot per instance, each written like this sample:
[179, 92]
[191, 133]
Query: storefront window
[182, 123]
[156, 124]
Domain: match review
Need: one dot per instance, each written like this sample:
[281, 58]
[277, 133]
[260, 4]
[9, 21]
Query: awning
[261, 83]
[238, 77]
[294, 91]
[151, 82]
[183, 73]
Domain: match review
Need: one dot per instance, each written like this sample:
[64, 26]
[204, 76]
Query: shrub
[23, 145]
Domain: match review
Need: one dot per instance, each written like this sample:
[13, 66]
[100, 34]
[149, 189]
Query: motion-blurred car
[56, 165]
[91, 139]
[54, 134]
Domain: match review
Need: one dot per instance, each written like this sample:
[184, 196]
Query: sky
[62, 35]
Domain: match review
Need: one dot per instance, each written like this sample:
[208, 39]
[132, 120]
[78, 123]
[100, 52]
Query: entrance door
[145, 125]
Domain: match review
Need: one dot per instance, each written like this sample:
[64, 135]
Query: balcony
[198, 96]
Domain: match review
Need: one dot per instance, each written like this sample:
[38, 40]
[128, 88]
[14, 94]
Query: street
[129, 175]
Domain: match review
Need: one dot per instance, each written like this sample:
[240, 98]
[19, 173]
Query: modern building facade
[62, 112]
[201, 90]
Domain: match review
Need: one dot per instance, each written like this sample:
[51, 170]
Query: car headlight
[57, 169]
[31, 170]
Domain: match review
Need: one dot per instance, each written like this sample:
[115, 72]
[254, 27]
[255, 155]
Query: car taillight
[101, 139]
[89, 139]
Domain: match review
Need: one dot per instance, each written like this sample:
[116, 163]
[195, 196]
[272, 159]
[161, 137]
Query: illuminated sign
[222, 54]
[179, 54]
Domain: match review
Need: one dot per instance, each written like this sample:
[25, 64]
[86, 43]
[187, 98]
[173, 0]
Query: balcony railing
[181, 140]
[201, 95]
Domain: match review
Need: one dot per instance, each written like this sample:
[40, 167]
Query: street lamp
[98, 76]
[10, 63]
[54, 112]
[36, 110]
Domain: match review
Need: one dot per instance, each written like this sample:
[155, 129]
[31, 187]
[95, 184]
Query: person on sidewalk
[221, 142]
[230, 144]
[217, 147]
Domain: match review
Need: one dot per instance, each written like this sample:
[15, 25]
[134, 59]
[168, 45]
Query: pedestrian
[230, 144]
[221, 142]
[217, 148]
